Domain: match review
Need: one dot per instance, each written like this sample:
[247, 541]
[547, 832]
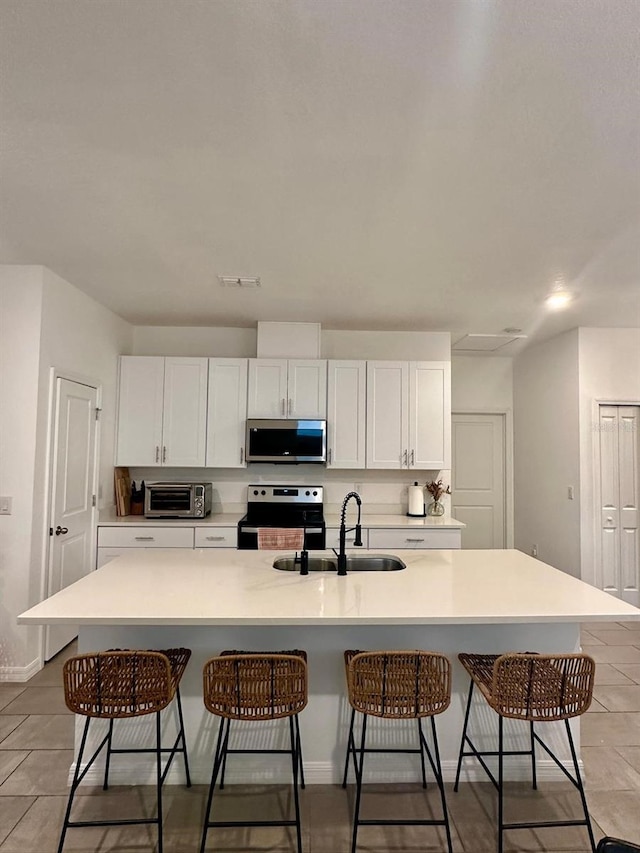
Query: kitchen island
[209, 600]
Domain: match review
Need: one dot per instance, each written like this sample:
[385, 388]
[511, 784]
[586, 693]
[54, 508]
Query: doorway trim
[507, 414]
[55, 374]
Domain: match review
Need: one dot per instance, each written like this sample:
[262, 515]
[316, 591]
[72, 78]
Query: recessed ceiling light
[238, 281]
[558, 299]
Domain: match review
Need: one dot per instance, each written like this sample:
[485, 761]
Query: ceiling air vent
[484, 343]
[238, 281]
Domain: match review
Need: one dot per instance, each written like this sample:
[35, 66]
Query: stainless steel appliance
[271, 440]
[177, 500]
[283, 506]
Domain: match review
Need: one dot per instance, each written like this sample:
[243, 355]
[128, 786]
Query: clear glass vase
[435, 508]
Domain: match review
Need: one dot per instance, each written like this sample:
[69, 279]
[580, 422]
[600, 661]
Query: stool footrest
[416, 822]
[124, 822]
[251, 823]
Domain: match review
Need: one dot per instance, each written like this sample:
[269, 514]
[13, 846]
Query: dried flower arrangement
[437, 489]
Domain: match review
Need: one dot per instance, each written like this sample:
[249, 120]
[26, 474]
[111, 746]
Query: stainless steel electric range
[283, 506]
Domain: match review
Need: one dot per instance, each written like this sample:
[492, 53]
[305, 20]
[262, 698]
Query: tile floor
[36, 739]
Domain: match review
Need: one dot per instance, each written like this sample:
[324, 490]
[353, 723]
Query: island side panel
[324, 722]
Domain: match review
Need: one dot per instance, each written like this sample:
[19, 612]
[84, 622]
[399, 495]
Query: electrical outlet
[570, 492]
[5, 506]
[534, 550]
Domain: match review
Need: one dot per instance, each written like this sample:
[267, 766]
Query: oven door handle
[255, 529]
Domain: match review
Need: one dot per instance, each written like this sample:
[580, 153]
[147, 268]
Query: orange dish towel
[272, 538]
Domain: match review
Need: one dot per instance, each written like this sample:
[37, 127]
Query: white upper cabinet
[408, 415]
[346, 414]
[227, 412]
[162, 414]
[281, 388]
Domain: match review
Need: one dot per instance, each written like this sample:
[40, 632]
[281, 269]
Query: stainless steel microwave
[177, 500]
[287, 441]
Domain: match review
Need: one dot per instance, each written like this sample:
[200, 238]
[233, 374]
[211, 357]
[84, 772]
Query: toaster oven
[177, 500]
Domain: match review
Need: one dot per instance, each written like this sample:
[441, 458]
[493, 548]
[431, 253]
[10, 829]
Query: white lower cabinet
[216, 537]
[114, 541]
[386, 537]
[333, 538]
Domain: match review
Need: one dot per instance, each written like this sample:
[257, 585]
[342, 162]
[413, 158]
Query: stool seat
[397, 685]
[535, 688]
[254, 687]
[121, 684]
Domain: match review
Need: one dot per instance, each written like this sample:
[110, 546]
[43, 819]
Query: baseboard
[129, 771]
[20, 674]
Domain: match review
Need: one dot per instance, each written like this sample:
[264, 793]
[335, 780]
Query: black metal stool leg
[105, 784]
[350, 748]
[421, 743]
[74, 785]
[440, 782]
[159, 779]
[533, 758]
[184, 739]
[500, 784]
[580, 786]
[464, 734]
[297, 722]
[359, 765]
[224, 756]
[217, 760]
[295, 763]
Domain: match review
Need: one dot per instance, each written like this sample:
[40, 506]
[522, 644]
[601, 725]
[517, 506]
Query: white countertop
[227, 587]
[108, 518]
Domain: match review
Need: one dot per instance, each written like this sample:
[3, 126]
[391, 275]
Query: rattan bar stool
[120, 684]
[397, 685]
[536, 688]
[255, 687]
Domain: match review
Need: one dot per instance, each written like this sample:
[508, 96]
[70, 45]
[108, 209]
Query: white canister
[416, 501]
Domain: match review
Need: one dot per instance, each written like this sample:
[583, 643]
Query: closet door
[619, 476]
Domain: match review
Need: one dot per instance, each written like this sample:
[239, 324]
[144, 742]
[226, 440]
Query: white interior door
[619, 569]
[71, 524]
[478, 478]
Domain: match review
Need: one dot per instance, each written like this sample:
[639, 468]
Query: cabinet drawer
[333, 538]
[390, 538]
[216, 537]
[145, 537]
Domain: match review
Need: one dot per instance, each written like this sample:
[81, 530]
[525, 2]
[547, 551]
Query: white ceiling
[380, 164]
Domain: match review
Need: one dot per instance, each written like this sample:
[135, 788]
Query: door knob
[62, 530]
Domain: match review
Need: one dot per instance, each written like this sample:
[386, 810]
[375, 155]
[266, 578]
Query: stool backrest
[255, 686]
[542, 687]
[399, 684]
[117, 684]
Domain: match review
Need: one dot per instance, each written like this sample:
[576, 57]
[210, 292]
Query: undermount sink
[355, 563]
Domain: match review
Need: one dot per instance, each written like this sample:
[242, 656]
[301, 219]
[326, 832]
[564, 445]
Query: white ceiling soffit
[485, 343]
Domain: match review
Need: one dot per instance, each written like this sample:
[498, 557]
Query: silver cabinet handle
[145, 538]
[413, 540]
[282, 408]
[215, 538]
[412, 457]
[330, 455]
[157, 453]
[290, 405]
[164, 454]
[241, 455]
[404, 458]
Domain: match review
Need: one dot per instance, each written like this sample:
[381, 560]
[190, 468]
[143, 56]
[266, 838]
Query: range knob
[263, 492]
[255, 491]
[307, 493]
[315, 494]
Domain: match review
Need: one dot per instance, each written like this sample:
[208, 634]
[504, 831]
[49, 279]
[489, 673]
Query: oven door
[169, 500]
[314, 538]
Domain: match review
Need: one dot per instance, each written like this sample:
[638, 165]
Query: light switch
[5, 506]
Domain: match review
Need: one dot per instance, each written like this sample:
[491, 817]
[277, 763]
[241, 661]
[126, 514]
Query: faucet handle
[357, 540]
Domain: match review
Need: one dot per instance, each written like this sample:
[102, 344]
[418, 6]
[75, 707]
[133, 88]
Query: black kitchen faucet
[342, 556]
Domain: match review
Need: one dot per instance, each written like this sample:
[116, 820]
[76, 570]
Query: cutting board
[122, 486]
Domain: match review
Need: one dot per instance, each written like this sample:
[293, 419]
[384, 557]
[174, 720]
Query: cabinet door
[267, 397]
[418, 539]
[387, 414]
[346, 414]
[429, 415]
[140, 406]
[307, 389]
[184, 430]
[227, 412]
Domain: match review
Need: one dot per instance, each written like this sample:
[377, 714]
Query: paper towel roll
[416, 500]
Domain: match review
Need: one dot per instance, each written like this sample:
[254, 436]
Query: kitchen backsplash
[381, 491]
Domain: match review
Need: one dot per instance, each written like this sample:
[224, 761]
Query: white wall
[20, 318]
[194, 341]
[50, 324]
[480, 383]
[609, 372]
[547, 451]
